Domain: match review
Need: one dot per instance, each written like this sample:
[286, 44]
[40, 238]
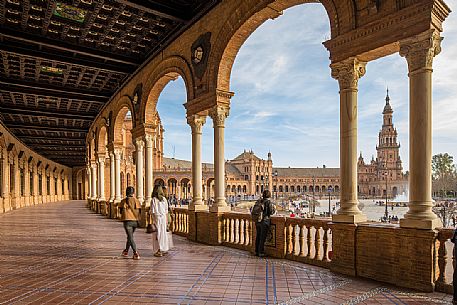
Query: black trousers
[130, 227]
[261, 235]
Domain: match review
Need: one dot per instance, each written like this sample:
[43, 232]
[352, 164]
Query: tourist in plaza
[159, 210]
[130, 211]
[263, 226]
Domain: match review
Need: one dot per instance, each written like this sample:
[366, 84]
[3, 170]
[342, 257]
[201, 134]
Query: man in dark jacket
[130, 211]
[263, 226]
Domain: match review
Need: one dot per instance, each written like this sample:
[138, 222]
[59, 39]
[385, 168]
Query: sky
[286, 102]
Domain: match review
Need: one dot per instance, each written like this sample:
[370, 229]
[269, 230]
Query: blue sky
[286, 101]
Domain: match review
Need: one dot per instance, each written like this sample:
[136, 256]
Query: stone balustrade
[308, 241]
[237, 231]
[444, 261]
[180, 221]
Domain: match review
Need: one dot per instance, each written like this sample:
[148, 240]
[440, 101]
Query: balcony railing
[180, 221]
[237, 231]
[308, 241]
[444, 261]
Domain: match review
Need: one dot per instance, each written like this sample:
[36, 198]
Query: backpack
[257, 211]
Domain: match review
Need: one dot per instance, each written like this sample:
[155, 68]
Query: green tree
[443, 172]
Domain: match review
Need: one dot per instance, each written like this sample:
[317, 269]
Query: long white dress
[160, 212]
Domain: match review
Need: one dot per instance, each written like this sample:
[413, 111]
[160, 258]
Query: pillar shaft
[139, 143]
[149, 139]
[35, 184]
[117, 174]
[94, 180]
[112, 180]
[101, 177]
[419, 52]
[219, 113]
[89, 183]
[348, 73]
[196, 123]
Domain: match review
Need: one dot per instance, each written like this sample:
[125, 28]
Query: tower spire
[387, 96]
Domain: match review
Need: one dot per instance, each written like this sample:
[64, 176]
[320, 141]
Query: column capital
[117, 152]
[139, 144]
[196, 122]
[348, 72]
[219, 113]
[419, 50]
[149, 139]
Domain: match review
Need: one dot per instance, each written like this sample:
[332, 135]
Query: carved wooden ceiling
[62, 60]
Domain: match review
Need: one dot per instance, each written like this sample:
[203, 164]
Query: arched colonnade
[27, 178]
[203, 55]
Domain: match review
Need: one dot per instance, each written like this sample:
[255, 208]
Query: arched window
[287, 188]
[244, 188]
[304, 189]
[317, 188]
[298, 189]
[292, 188]
[239, 188]
[280, 188]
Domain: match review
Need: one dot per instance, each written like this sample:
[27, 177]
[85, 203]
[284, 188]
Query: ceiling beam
[45, 128]
[62, 147]
[58, 115]
[52, 139]
[61, 58]
[49, 90]
[157, 9]
[63, 46]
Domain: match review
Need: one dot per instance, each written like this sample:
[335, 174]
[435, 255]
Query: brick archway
[169, 69]
[123, 107]
[248, 16]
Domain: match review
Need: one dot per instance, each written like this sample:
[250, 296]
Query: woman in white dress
[159, 210]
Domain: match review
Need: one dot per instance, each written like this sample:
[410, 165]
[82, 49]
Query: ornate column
[66, 195]
[117, 174]
[219, 113]
[101, 177]
[196, 123]
[347, 73]
[35, 184]
[93, 167]
[419, 52]
[149, 139]
[26, 184]
[15, 198]
[5, 181]
[89, 181]
[139, 143]
[112, 177]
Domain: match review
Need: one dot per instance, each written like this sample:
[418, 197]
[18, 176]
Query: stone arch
[248, 16]
[123, 106]
[102, 139]
[168, 69]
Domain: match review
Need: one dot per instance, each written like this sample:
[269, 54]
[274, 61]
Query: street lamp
[329, 189]
[275, 174]
[314, 204]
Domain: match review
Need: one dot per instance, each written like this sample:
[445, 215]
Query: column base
[342, 218]
[428, 224]
[198, 207]
[220, 209]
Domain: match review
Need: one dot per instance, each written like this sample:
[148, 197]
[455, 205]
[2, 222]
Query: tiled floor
[62, 253]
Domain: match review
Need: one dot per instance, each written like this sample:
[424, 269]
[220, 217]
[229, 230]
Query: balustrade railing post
[317, 243]
[302, 240]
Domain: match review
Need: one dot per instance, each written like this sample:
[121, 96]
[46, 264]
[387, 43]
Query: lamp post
[275, 175]
[329, 189]
[314, 205]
